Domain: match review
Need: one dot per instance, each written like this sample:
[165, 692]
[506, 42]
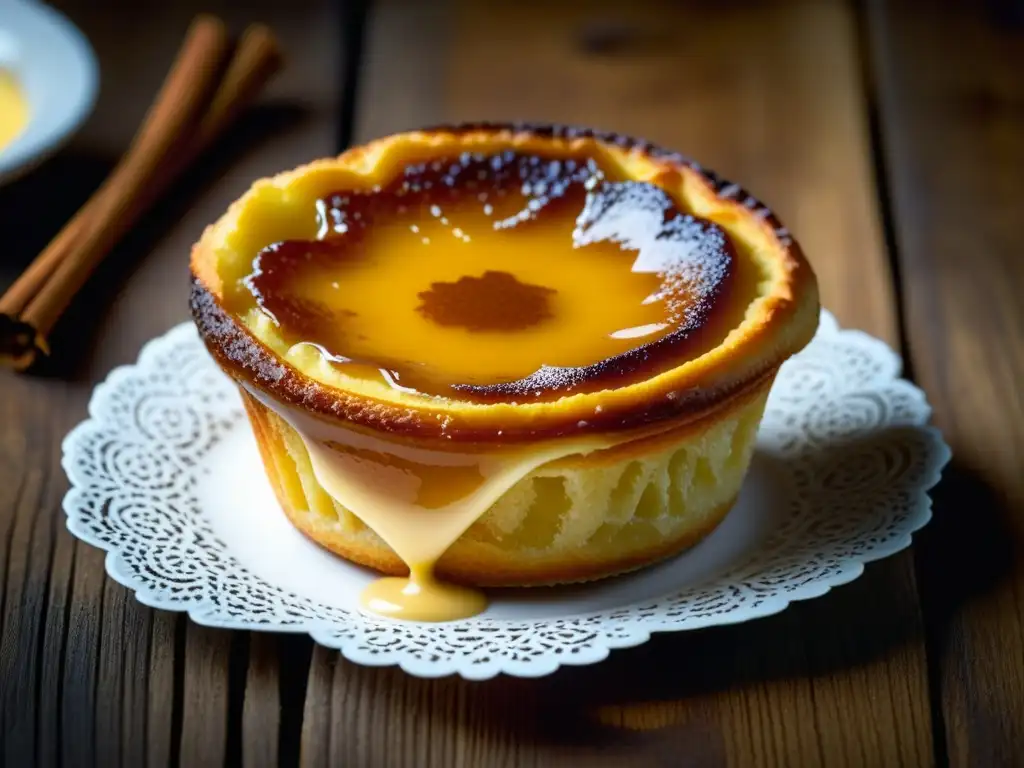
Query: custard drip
[418, 500]
[421, 597]
[507, 277]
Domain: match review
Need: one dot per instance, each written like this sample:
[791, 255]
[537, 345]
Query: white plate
[57, 69]
[166, 477]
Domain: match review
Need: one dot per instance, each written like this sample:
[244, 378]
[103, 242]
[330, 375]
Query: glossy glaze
[502, 276]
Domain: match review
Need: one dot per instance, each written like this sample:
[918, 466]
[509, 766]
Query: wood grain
[317, 716]
[135, 684]
[204, 724]
[87, 675]
[160, 696]
[768, 94]
[78, 695]
[261, 713]
[55, 632]
[951, 109]
[110, 676]
[26, 567]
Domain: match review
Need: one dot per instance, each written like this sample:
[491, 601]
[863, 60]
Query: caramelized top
[501, 276]
[601, 284]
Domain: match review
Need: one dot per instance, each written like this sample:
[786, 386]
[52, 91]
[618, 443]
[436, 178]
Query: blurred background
[779, 95]
[888, 135]
[809, 103]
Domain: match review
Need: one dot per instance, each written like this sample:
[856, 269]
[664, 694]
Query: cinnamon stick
[78, 249]
[168, 141]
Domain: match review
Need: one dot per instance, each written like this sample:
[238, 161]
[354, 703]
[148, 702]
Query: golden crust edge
[479, 563]
[787, 319]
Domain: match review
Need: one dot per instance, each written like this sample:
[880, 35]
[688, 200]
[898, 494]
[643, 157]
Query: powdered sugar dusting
[546, 180]
[690, 255]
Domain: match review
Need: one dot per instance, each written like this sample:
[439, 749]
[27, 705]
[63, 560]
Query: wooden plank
[25, 559]
[950, 96]
[204, 723]
[110, 677]
[363, 716]
[160, 693]
[54, 634]
[138, 634]
[261, 712]
[78, 698]
[94, 678]
[317, 717]
[768, 94]
[295, 653]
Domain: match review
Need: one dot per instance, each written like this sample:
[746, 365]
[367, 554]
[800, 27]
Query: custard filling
[504, 277]
[482, 277]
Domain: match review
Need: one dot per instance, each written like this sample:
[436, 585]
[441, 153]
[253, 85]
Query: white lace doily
[166, 478]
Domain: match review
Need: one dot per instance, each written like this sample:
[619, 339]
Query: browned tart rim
[786, 323]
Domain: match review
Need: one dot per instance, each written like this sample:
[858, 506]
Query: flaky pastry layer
[579, 518]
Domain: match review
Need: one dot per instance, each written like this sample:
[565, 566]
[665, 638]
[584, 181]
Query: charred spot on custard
[496, 301]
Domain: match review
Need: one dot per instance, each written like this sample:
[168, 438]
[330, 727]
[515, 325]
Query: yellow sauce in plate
[14, 110]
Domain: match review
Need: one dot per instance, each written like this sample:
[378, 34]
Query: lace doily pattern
[848, 437]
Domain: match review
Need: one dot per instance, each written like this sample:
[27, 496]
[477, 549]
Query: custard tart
[501, 355]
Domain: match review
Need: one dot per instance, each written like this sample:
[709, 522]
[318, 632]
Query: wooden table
[889, 136]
